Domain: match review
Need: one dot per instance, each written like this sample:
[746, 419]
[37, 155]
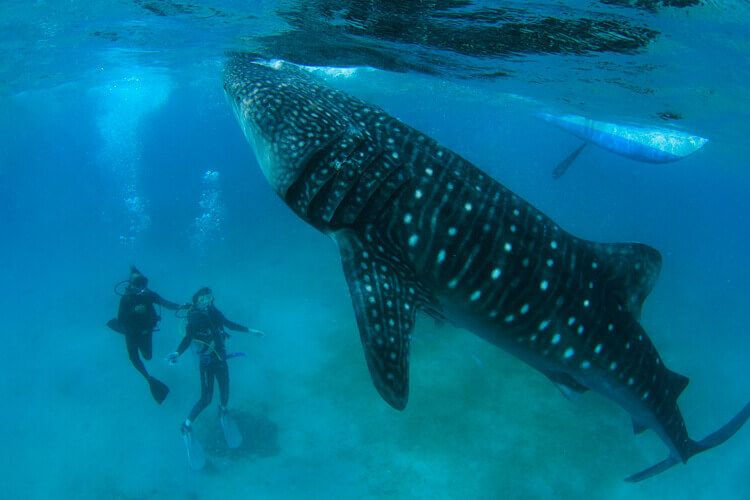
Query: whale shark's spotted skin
[420, 228]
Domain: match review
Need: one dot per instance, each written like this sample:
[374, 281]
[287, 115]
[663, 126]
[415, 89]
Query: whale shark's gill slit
[315, 173]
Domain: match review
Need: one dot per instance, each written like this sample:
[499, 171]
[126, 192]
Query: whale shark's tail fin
[694, 447]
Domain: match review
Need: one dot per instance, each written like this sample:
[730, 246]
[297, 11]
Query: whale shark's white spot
[571, 321]
[645, 395]
[368, 288]
[508, 247]
[452, 283]
[407, 306]
[524, 309]
[371, 299]
[389, 303]
[525, 262]
[475, 296]
[594, 265]
[509, 318]
[544, 285]
[543, 325]
[364, 265]
[393, 356]
[452, 231]
[413, 239]
[586, 303]
[513, 228]
[556, 338]
[631, 381]
[428, 171]
[569, 352]
[407, 218]
[598, 348]
[496, 273]
[550, 262]
[610, 327]
[627, 345]
[585, 365]
[391, 322]
[449, 186]
[516, 212]
[580, 329]
[553, 245]
[418, 193]
[613, 366]
[467, 207]
[441, 256]
[493, 314]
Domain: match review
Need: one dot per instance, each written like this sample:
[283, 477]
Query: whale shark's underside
[420, 228]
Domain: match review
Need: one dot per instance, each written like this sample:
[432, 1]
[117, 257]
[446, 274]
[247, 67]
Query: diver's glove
[186, 305]
[172, 357]
[255, 332]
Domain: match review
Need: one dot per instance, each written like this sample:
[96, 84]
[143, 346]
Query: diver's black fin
[711, 441]
[159, 389]
[563, 166]
[115, 325]
[385, 296]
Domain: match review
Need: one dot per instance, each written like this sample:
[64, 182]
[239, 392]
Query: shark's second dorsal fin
[677, 383]
[385, 296]
[631, 269]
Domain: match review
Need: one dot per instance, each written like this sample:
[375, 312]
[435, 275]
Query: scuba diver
[205, 326]
[136, 319]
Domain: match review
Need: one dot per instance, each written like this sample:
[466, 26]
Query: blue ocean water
[118, 148]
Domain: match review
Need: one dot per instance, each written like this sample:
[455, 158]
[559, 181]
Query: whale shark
[419, 228]
[645, 144]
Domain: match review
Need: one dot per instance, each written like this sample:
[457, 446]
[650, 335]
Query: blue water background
[78, 421]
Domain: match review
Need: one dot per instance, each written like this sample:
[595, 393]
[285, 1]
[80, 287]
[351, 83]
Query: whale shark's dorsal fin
[385, 295]
[631, 269]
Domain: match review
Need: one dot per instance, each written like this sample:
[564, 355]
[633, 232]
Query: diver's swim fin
[232, 433]
[196, 456]
[115, 325]
[563, 166]
[159, 389]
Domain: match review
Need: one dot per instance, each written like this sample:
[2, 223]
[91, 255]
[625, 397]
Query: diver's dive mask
[204, 301]
[138, 283]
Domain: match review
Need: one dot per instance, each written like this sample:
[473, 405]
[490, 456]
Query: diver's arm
[231, 324]
[158, 299]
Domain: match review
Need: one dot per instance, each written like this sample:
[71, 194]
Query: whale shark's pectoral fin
[638, 427]
[385, 298]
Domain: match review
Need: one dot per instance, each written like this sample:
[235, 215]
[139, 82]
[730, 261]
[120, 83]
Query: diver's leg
[145, 344]
[132, 342]
[207, 391]
[222, 376]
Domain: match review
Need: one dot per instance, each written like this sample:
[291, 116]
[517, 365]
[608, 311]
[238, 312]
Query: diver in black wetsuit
[205, 326]
[136, 319]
